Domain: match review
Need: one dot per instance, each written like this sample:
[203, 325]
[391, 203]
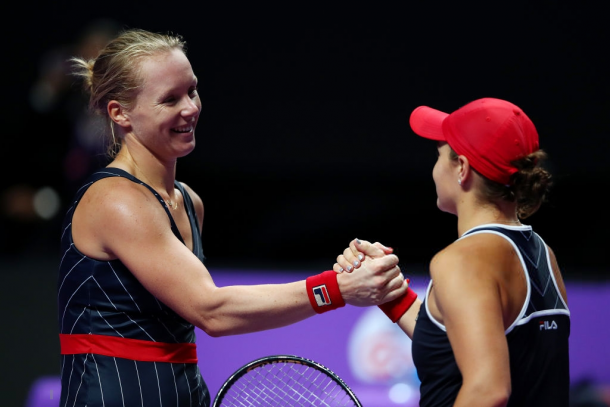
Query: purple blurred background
[367, 351]
[350, 342]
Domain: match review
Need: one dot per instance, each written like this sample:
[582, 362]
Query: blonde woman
[132, 281]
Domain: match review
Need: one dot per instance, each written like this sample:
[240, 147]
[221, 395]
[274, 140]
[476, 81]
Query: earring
[459, 181]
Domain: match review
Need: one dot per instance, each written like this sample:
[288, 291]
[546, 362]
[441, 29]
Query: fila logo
[546, 325]
[321, 294]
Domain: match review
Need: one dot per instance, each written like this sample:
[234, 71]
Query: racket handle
[323, 291]
[396, 308]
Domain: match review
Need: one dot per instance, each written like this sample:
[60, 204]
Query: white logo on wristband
[321, 294]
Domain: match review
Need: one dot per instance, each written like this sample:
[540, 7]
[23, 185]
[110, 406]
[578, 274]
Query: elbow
[216, 322]
[212, 327]
[494, 394]
[501, 393]
[499, 398]
[211, 317]
[213, 333]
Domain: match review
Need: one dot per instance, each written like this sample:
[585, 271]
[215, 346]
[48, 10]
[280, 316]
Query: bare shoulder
[112, 211]
[471, 257]
[118, 196]
[469, 276]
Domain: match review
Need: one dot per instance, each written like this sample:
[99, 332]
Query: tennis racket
[285, 380]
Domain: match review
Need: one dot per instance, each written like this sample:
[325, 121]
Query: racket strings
[287, 384]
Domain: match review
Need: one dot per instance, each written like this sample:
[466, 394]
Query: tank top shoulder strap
[192, 215]
[544, 295]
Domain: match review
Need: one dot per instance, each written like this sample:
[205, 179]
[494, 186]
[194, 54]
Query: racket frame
[267, 360]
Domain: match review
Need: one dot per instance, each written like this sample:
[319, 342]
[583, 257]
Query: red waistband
[134, 349]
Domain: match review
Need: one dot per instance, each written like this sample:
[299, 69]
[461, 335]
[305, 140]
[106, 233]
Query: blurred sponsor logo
[379, 351]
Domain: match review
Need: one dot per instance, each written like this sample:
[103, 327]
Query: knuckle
[380, 282]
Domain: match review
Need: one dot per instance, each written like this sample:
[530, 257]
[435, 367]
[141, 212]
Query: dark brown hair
[529, 187]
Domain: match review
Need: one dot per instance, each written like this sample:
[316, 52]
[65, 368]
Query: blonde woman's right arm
[118, 219]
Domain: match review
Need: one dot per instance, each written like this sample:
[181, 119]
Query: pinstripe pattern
[104, 298]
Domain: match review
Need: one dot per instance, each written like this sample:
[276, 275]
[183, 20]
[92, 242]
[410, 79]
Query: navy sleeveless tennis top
[104, 298]
[537, 339]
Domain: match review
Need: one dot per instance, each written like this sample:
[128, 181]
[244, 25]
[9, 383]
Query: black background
[303, 142]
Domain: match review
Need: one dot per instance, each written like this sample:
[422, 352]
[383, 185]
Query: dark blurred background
[303, 143]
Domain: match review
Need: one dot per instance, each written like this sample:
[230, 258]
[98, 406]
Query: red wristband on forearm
[323, 291]
[396, 308]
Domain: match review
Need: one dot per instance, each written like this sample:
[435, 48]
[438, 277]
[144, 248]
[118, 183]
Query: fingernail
[356, 262]
[341, 270]
[360, 257]
[358, 241]
[349, 268]
[391, 248]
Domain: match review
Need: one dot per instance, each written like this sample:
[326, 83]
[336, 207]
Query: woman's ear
[118, 114]
[464, 169]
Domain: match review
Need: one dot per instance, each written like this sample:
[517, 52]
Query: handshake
[365, 274]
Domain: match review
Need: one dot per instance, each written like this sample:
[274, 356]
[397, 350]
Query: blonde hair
[114, 73]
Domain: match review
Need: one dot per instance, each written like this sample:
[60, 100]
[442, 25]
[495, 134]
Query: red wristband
[396, 308]
[323, 291]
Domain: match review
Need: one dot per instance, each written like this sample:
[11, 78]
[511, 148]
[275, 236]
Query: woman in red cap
[493, 327]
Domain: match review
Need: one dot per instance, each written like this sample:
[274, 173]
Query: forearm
[190, 291]
[409, 318]
[236, 310]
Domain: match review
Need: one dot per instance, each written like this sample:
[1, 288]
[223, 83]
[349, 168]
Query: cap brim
[428, 122]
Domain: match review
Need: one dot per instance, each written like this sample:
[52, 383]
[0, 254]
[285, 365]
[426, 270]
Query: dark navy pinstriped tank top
[105, 298]
[537, 339]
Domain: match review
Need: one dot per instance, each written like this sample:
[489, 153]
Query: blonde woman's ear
[117, 113]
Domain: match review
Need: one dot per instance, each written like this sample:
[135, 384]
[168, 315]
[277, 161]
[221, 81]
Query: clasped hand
[378, 278]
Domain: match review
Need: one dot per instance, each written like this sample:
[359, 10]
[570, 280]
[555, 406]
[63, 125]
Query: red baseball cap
[490, 132]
